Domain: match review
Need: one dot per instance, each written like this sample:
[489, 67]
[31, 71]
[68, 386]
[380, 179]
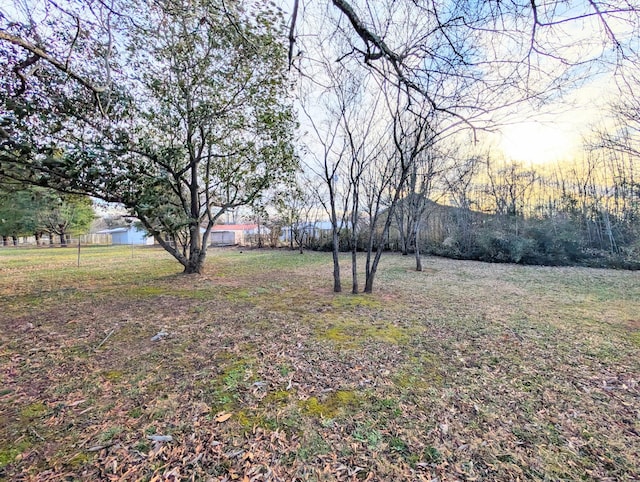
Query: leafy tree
[30, 210]
[186, 116]
[65, 215]
[10, 215]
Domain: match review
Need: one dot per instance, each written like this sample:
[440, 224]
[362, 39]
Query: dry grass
[467, 371]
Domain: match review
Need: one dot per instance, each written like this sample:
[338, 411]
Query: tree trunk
[15, 240]
[335, 242]
[371, 273]
[195, 264]
[416, 238]
[354, 270]
[63, 241]
[337, 285]
[193, 267]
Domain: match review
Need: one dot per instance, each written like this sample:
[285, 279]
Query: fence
[30, 241]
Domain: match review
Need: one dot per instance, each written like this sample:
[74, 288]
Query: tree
[65, 215]
[30, 210]
[468, 59]
[468, 63]
[11, 222]
[326, 151]
[294, 208]
[192, 118]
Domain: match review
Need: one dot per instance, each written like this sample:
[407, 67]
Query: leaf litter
[267, 375]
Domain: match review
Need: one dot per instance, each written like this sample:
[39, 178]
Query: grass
[467, 371]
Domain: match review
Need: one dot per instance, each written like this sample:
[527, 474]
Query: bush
[552, 242]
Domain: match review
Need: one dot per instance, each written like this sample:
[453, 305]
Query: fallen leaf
[223, 417]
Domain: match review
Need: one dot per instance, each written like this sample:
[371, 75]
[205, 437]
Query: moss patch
[249, 420]
[350, 333]
[279, 398]
[33, 411]
[79, 459]
[331, 406]
[146, 291]
[8, 453]
[113, 375]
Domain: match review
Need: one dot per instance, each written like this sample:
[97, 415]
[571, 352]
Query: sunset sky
[558, 133]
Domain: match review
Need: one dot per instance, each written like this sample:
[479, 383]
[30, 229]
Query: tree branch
[40, 53]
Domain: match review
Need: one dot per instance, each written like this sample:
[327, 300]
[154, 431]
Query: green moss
[78, 460]
[332, 405]
[239, 295]
[195, 294]
[279, 398]
[9, 453]
[388, 333]
[352, 333]
[113, 375]
[635, 338]
[34, 410]
[249, 420]
[338, 335]
[146, 291]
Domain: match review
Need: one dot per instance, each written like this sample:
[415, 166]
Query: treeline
[585, 213]
[582, 213]
[42, 213]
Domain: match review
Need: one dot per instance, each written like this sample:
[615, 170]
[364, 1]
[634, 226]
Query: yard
[466, 371]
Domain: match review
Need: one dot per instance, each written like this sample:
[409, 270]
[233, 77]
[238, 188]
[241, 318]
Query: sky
[557, 133]
[536, 137]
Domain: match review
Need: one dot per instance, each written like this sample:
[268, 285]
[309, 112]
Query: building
[234, 234]
[128, 235]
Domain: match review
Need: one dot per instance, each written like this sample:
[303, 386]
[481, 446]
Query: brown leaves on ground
[468, 372]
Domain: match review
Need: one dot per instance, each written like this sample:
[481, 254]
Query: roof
[122, 229]
[113, 230]
[235, 227]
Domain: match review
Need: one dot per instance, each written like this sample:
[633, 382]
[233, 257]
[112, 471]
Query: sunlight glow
[531, 142]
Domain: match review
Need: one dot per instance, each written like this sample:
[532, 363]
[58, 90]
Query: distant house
[128, 235]
[232, 234]
[311, 230]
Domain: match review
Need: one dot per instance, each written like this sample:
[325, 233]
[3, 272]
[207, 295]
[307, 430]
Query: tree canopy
[34, 211]
[187, 114]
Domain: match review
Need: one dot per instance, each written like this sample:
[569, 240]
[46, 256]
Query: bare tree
[325, 154]
[467, 58]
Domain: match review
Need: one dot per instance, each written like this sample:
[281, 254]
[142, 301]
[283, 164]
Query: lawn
[466, 371]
